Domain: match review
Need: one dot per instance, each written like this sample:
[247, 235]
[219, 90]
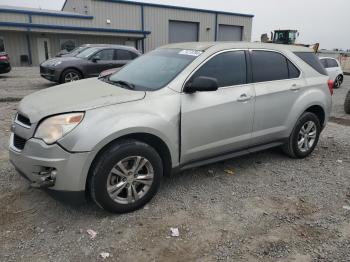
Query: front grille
[42, 70]
[24, 120]
[18, 142]
[45, 71]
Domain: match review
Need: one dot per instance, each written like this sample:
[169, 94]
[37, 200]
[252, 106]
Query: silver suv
[178, 107]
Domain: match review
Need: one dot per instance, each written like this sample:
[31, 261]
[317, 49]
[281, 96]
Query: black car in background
[5, 66]
[87, 63]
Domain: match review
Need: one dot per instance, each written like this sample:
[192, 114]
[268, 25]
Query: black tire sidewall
[105, 164]
[306, 117]
[65, 72]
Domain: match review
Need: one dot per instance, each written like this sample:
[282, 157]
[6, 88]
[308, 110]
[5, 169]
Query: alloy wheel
[71, 76]
[307, 136]
[337, 82]
[130, 179]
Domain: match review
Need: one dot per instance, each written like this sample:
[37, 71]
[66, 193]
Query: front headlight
[55, 127]
[56, 63]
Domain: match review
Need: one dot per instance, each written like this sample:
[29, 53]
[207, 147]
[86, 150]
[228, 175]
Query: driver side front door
[218, 122]
[100, 61]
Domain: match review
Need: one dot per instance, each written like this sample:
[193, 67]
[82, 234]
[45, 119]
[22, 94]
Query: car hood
[75, 96]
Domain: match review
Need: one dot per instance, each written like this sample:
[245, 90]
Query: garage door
[230, 33]
[183, 32]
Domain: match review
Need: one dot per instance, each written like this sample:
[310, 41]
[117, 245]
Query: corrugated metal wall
[121, 16]
[15, 45]
[157, 21]
[245, 22]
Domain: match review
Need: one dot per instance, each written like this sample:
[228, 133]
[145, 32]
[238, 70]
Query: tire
[292, 148]
[338, 81]
[122, 156]
[70, 75]
[347, 103]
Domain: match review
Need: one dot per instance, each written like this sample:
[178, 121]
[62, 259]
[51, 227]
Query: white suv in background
[333, 69]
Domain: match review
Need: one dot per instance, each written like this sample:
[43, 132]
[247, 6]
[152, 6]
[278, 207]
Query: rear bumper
[5, 67]
[50, 166]
[51, 74]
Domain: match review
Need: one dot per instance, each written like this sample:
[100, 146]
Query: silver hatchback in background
[181, 106]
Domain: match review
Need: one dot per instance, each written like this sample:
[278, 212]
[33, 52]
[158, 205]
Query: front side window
[155, 69]
[228, 68]
[269, 66]
[106, 54]
[2, 45]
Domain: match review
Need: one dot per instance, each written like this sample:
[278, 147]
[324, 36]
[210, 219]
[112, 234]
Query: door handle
[295, 87]
[244, 97]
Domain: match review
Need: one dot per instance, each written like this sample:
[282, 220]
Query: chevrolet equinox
[183, 105]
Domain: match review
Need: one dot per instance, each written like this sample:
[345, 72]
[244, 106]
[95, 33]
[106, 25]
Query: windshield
[88, 52]
[76, 51]
[156, 69]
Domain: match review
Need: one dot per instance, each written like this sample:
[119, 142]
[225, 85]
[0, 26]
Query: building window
[67, 44]
[2, 45]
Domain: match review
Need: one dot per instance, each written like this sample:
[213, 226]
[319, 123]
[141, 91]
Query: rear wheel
[338, 81]
[126, 176]
[70, 75]
[347, 103]
[304, 137]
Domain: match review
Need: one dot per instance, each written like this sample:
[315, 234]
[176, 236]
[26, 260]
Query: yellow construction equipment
[286, 37]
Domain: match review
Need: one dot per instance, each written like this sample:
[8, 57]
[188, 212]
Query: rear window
[269, 66]
[312, 60]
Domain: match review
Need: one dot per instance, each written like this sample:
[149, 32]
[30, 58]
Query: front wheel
[126, 176]
[304, 137]
[70, 75]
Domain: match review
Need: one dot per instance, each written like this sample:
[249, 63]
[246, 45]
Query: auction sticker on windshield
[190, 52]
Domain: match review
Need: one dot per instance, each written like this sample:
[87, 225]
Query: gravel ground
[272, 209]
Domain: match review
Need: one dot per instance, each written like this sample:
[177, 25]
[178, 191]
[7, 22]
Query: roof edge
[43, 13]
[74, 28]
[175, 7]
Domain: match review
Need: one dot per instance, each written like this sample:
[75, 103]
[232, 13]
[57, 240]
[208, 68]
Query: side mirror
[95, 59]
[202, 84]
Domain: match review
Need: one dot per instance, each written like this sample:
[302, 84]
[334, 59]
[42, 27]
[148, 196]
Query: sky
[317, 21]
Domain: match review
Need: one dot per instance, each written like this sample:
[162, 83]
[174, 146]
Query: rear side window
[312, 60]
[228, 68]
[293, 70]
[269, 66]
[332, 63]
[125, 55]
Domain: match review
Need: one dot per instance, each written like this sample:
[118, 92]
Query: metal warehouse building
[30, 36]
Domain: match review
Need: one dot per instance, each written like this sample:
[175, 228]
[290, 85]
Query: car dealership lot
[267, 207]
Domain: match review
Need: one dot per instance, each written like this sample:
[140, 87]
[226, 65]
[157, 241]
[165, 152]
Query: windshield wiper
[124, 83]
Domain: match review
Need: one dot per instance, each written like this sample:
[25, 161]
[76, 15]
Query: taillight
[331, 86]
[3, 57]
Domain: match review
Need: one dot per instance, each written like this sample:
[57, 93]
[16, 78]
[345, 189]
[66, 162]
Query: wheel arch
[154, 141]
[319, 112]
